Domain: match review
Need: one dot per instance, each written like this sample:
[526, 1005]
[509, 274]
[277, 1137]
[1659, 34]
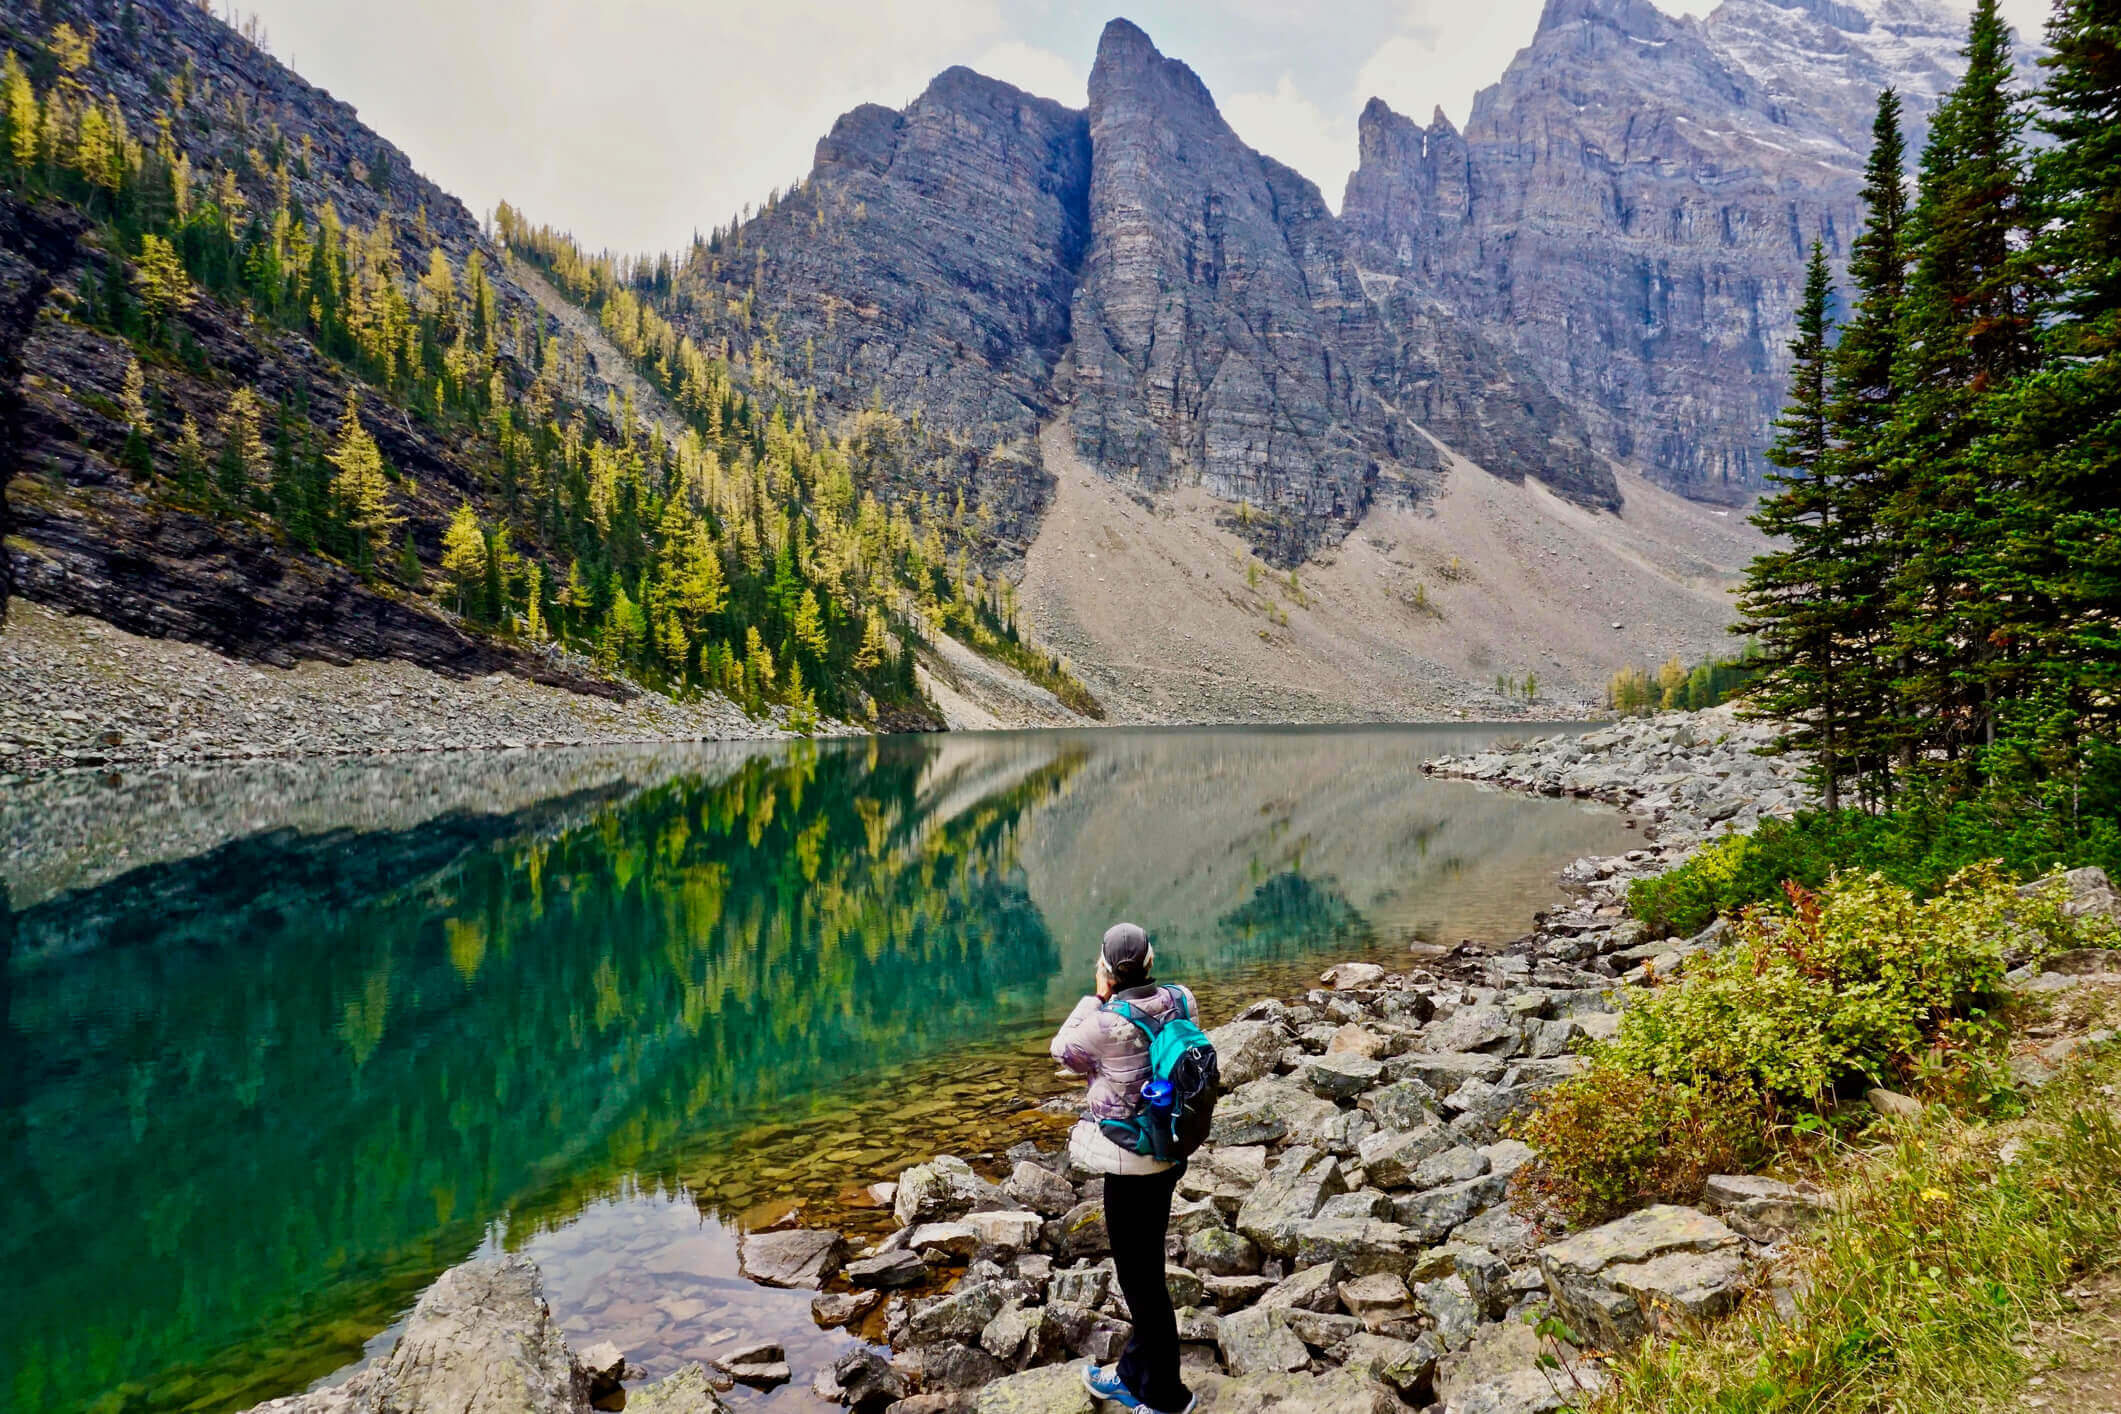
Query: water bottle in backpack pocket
[1178, 1098]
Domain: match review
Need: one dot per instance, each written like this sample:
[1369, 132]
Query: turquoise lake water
[282, 1042]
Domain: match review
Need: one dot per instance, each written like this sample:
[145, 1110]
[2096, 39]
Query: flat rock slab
[798, 1258]
[1608, 1281]
[1051, 1389]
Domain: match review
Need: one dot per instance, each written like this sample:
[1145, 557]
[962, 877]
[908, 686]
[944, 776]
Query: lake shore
[1347, 1239]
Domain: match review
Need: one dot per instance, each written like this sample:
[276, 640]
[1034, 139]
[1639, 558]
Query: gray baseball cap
[1126, 948]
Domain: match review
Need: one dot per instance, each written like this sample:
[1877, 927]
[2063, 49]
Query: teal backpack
[1178, 1099]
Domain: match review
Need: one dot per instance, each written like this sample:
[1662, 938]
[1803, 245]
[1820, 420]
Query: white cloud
[1036, 70]
[1293, 130]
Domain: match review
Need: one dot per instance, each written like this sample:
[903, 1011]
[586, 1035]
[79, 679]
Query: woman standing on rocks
[1106, 1047]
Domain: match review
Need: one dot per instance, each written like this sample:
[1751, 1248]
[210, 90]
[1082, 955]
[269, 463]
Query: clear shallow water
[283, 1042]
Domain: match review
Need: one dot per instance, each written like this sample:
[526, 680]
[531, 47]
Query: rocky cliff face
[988, 260]
[1217, 312]
[925, 265]
[1630, 208]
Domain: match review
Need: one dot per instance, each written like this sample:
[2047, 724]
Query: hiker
[1099, 1041]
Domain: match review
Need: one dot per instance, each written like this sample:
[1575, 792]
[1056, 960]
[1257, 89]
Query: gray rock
[1892, 1104]
[1432, 1213]
[1267, 1110]
[1444, 1072]
[1081, 1286]
[1258, 1340]
[1379, 1292]
[944, 1187]
[1391, 1157]
[1246, 1051]
[1291, 1194]
[1005, 1231]
[1475, 1028]
[1342, 1075]
[1040, 1189]
[1311, 1289]
[1454, 1165]
[886, 1269]
[1762, 1208]
[1450, 1305]
[1220, 1252]
[1603, 1279]
[1403, 1365]
[1357, 1246]
[861, 1380]
[1346, 975]
[1080, 1232]
[1333, 1392]
[944, 1242]
[687, 1390]
[1054, 1389]
[1404, 1104]
[797, 1257]
[480, 1340]
[960, 1316]
[1363, 1203]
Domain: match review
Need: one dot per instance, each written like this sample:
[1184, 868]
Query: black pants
[1137, 1214]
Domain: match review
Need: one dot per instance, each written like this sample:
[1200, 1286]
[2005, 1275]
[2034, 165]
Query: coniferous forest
[1941, 623]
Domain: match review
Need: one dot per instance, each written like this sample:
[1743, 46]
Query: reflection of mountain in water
[1288, 914]
[286, 1100]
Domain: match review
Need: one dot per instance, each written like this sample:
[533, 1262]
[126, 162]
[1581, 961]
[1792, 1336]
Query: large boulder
[2085, 893]
[1258, 1341]
[1432, 1213]
[1347, 975]
[1334, 1392]
[687, 1390]
[1609, 1281]
[1291, 1194]
[1391, 1157]
[1474, 1028]
[481, 1340]
[1342, 1075]
[1358, 1246]
[1051, 1389]
[1040, 1189]
[1444, 1072]
[944, 1187]
[802, 1258]
[1267, 1110]
[1246, 1051]
[1762, 1208]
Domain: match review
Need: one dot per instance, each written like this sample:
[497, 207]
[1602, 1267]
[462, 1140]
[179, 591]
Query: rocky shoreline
[80, 695]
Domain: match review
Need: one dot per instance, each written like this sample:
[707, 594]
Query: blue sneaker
[1104, 1382]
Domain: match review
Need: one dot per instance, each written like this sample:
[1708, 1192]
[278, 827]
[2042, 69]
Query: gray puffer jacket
[1111, 1051]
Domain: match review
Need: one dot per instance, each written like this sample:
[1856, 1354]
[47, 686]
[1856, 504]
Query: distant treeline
[1676, 687]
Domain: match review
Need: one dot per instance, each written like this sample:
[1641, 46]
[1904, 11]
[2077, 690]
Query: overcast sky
[633, 123]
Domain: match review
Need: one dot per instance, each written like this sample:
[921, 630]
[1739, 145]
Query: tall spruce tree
[2059, 563]
[1792, 602]
[1967, 330]
[1862, 404]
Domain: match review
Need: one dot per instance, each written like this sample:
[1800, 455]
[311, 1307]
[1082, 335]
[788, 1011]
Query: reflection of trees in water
[1290, 913]
[275, 1131]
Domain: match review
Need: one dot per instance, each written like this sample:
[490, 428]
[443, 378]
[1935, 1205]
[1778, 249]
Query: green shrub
[1918, 847]
[1611, 1138]
[1859, 980]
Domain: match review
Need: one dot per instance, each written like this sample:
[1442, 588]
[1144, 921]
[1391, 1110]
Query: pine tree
[246, 465]
[1792, 599]
[464, 556]
[191, 458]
[159, 281]
[1862, 406]
[2060, 559]
[534, 593]
[360, 490]
[1966, 329]
[18, 108]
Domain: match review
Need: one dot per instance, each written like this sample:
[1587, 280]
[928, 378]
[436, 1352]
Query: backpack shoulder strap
[1126, 1010]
